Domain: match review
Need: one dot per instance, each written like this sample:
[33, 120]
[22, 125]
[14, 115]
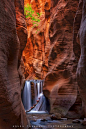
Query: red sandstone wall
[36, 51]
[12, 29]
[49, 54]
[60, 80]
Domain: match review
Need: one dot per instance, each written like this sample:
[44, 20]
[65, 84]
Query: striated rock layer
[52, 53]
[11, 46]
[36, 52]
[60, 80]
[80, 42]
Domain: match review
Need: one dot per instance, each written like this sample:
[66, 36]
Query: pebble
[55, 116]
[76, 121]
[84, 121]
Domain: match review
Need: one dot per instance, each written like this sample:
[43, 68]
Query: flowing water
[37, 116]
[38, 91]
[27, 96]
[43, 121]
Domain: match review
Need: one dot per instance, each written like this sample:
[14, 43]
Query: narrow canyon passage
[52, 53]
[49, 53]
[42, 63]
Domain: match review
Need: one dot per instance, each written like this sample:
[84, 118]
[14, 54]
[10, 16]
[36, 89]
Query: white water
[27, 96]
[41, 86]
[38, 87]
[41, 106]
[35, 91]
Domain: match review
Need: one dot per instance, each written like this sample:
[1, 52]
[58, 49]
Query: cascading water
[27, 96]
[39, 97]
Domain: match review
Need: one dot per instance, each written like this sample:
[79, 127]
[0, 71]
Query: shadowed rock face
[54, 51]
[20, 26]
[60, 80]
[11, 109]
[80, 30]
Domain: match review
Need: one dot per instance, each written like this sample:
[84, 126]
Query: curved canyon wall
[49, 53]
[36, 52]
[53, 53]
[80, 43]
[13, 37]
[60, 80]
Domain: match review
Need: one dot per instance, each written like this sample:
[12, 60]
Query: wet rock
[84, 122]
[63, 118]
[43, 119]
[48, 118]
[55, 116]
[76, 121]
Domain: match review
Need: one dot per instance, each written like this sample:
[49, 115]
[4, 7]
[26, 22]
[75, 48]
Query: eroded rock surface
[36, 52]
[81, 68]
[60, 80]
[11, 108]
[53, 52]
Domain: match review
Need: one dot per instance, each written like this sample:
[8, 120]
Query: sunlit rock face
[36, 52]
[80, 42]
[52, 53]
[60, 80]
[11, 110]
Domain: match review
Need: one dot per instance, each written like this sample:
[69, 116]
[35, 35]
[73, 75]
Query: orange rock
[49, 52]
[37, 49]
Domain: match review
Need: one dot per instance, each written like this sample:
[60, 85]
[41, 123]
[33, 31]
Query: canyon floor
[43, 121]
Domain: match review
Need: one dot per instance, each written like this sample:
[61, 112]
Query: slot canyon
[49, 50]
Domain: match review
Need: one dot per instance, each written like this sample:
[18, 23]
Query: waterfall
[38, 87]
[27, 96]
[38, 93]
[35, 91]
[41, 86]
